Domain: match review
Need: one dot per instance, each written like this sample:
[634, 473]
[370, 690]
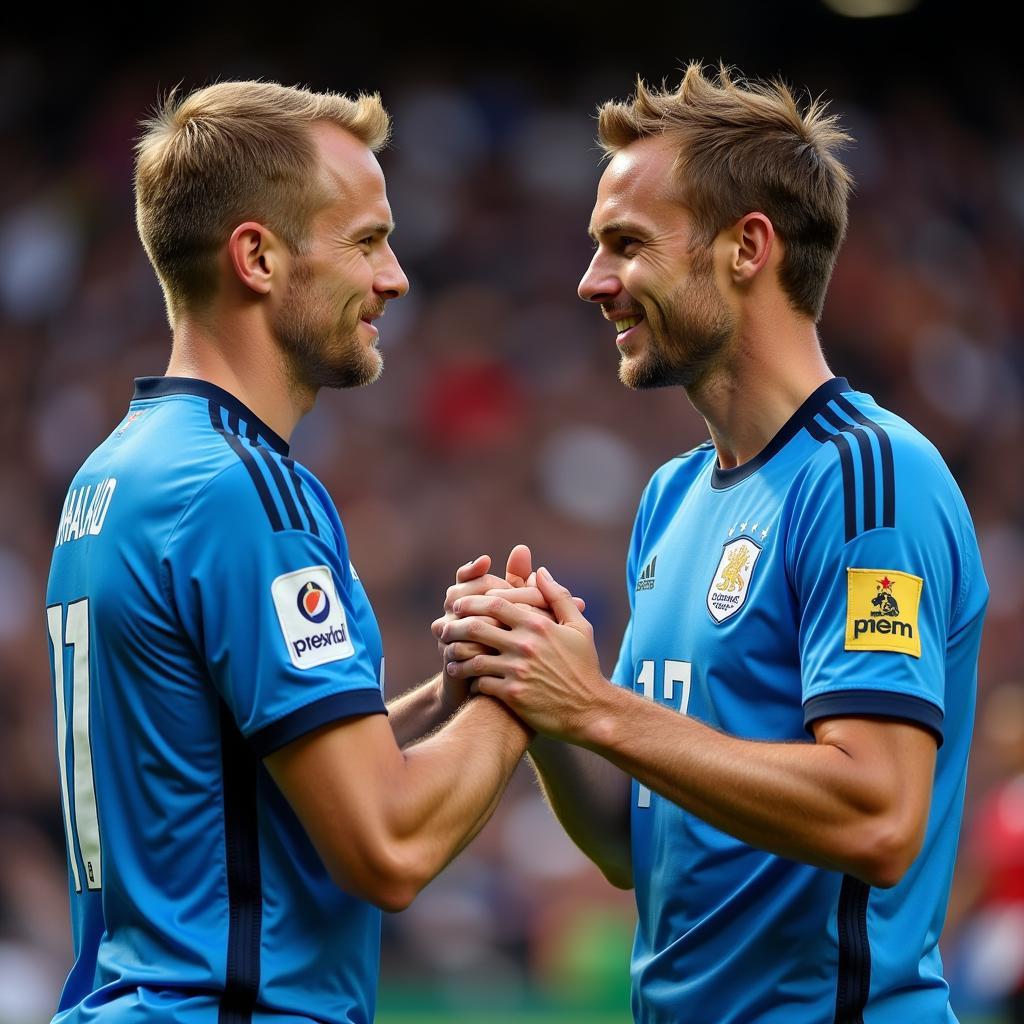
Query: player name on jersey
[85, 510]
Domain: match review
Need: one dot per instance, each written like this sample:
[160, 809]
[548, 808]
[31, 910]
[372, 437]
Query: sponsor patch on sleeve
[881, 611]
[311, 616]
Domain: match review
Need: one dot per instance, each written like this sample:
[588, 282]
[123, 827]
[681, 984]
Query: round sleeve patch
[311, 617]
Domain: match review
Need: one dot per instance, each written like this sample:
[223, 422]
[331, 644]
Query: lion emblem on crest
[731, 579]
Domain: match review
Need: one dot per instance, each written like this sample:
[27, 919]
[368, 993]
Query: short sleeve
[875, 604]
[272, 614]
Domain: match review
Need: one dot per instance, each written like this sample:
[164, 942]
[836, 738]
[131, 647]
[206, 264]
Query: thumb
[559, 600]
[519, 565]
[471, 570]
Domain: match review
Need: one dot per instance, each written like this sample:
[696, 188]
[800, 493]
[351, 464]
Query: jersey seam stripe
[853, 980]
[846, 464]
[244, 882]
[282, 486]
[301, 494]
[886, 456]
[867, 459]
[251, 468]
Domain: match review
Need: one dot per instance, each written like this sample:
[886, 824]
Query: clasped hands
[523, 640]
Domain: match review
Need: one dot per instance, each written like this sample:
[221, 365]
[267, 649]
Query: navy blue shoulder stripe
[846, 462]
[873, 470]
[297, 482]
[248, 445]
[867, 461]
[282, 486]
[239, 448]
[885, 450]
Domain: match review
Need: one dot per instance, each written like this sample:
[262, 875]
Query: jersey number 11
[73, 632]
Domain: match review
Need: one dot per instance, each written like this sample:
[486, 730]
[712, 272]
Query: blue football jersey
[202, 612]
[837, 573]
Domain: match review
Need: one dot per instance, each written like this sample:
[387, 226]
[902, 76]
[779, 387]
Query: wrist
[600, 722]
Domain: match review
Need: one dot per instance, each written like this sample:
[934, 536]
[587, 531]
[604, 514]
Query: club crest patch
[731, 582]
[312, 618]
[882, 611]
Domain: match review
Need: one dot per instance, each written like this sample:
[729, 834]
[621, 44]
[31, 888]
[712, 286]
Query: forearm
[806, 801]
[419, 711]
[451, 783]
[590, 797]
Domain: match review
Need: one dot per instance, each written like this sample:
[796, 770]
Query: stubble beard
[322, 351]
[689, 334]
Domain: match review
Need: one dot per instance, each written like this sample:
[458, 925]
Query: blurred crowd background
[499, 417]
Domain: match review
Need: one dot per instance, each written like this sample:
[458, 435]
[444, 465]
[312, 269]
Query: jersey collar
[816, 401]
[160, 387]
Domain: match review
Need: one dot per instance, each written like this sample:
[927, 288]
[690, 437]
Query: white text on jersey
[85, 510]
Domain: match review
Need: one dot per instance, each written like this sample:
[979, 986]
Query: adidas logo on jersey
[646, 580]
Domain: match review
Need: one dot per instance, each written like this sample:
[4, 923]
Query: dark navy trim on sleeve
[305, 719]
[874, 702]
[160, 387]
[821, 396]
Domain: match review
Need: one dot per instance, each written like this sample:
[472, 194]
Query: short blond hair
[227, 153]
[745, 147]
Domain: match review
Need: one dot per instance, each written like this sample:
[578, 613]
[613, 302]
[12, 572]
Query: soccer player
[794, 696]
[237, 802]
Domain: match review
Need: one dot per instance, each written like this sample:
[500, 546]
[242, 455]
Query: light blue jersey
[202, 612]
[835, 574]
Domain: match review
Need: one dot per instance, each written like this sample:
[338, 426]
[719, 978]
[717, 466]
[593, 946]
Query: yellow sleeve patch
[881, 611]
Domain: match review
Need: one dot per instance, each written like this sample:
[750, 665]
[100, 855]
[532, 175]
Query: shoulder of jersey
[275, 481]
[694, 459]
[679, 472]
[880, 458]
[266, 480]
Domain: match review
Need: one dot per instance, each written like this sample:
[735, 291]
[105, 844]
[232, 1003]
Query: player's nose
[390, 280]
[598, 284]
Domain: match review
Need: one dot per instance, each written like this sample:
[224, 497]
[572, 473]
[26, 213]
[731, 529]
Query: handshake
[521, 639]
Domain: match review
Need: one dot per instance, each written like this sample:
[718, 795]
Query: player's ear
[255, 255]
[753, 238]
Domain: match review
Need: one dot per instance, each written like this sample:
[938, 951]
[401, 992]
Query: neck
[247, 364]
[758, 386]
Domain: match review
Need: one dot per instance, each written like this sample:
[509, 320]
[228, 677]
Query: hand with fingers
[472, 579]
[544, 668]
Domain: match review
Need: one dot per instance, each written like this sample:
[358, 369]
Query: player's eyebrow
[615, 227]
[379, 228]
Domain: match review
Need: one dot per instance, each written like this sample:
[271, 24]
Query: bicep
[336, 779]
[892, 765]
